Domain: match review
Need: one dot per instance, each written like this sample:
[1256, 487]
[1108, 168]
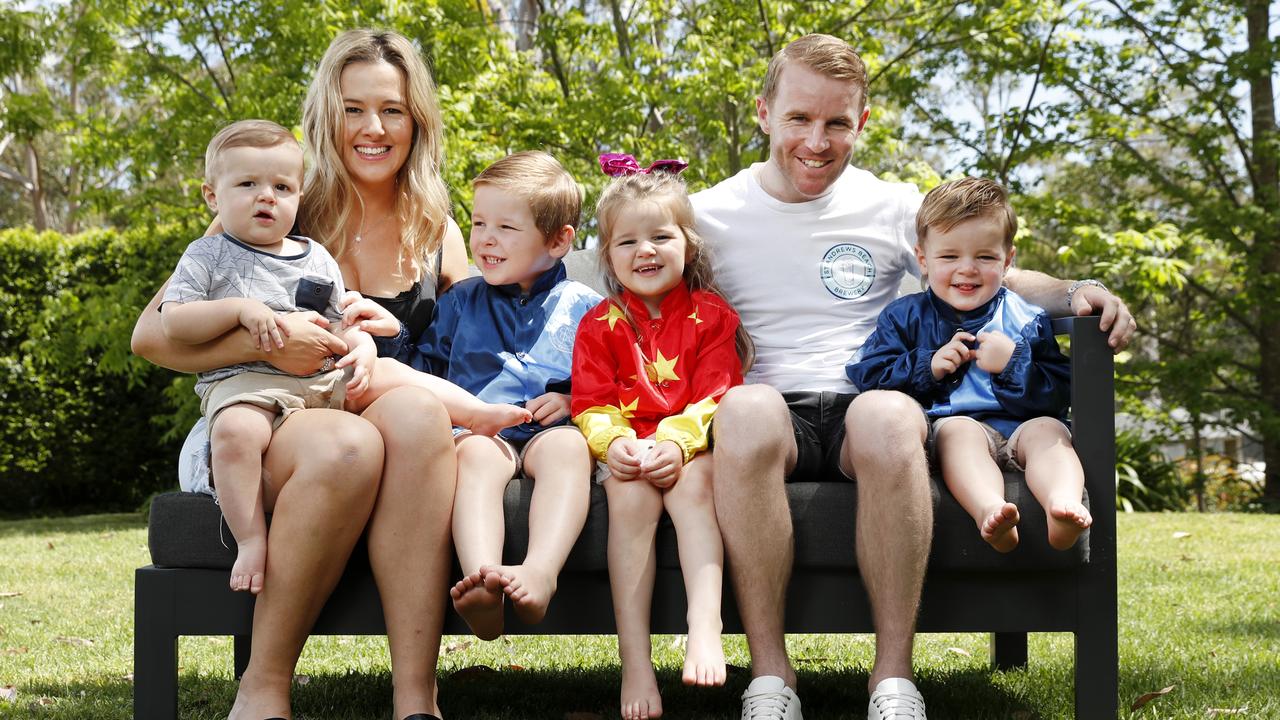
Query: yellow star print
[613, 316]
[662, 369]
[694, 317]
[628, 410]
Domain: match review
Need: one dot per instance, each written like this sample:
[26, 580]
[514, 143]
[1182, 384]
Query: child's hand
[363, 356]
[549, 409]
[367, 315]
[266, 328]
[661, 467]
[951, 356]
[623, 458]
[993, 352]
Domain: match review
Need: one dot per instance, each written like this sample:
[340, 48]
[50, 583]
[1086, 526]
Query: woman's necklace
[377, 225]
[360, 233]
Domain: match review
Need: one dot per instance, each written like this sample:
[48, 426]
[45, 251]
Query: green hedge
[83, 423]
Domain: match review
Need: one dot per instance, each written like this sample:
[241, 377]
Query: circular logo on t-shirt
[848, 271]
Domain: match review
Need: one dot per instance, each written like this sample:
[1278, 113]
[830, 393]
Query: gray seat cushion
[186, 531]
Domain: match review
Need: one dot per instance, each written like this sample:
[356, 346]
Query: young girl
[649, 365]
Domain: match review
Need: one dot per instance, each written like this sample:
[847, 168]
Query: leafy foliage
[82, 420]
[1139, 138]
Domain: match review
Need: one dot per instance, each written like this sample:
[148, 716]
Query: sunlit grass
[1198, 611]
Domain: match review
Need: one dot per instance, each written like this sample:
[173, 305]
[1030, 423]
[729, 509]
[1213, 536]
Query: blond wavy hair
[329, 196]
[667, 191]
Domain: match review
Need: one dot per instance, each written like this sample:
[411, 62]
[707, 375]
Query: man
[810, 250]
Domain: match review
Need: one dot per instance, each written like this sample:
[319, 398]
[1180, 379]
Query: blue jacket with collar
[505, 346]
[899, 354]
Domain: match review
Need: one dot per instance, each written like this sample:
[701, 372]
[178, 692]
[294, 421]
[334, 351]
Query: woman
[375, 199]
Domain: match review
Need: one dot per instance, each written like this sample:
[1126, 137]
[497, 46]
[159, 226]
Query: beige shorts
[1003, 450]
[283, 394]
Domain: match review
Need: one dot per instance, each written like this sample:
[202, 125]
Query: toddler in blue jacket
[985, 365]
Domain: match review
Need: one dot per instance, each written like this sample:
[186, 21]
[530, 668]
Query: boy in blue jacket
[506, 338]
[985, 365]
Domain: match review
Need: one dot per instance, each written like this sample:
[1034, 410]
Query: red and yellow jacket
[666, 382]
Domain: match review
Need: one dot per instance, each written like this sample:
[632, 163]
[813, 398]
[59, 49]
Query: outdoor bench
[969, 587]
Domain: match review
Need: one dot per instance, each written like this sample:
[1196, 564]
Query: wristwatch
[327, 365]
[1073, 287]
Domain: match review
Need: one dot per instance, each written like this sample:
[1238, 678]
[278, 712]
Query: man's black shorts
[817, 419]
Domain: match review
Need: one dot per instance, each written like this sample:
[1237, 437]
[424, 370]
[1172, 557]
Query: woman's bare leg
[693, 512]
[320, 476]
[634, 509]
[409, 547]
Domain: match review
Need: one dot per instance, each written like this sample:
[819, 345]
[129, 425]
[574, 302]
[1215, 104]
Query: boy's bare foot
[491, 418]
[640, 696]
[704, 659]
[1067, 521]
[529, 588]
[479, 601]
[1000, 529]
[250, 568]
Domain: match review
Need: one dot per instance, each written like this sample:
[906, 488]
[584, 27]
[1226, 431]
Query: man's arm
[1050, 293]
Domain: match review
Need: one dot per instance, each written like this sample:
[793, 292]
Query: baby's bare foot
[530, 589]
[704, 659]
[1000, 529]
[492, 418]
[1067, 521]
[479, 604]
[250, 569]
[640, 697]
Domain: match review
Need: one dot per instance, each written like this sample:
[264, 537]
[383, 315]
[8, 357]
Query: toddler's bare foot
[1000, 529]
[640, 696]
[704, 659]
[491, 418]
[479, 601]
[1067, 521]
[530, 589]
[250, 568]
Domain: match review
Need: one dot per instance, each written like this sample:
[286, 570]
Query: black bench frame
[172, 602]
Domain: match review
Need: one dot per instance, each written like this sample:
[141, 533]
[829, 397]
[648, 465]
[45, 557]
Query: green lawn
[1198, 611]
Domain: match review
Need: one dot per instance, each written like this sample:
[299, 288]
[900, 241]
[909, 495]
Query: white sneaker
[769, 698]
[896, 699]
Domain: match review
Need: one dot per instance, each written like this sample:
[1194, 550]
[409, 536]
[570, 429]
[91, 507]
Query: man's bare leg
[884, 450]
[409, 539]
[321, 475]
[754, 449]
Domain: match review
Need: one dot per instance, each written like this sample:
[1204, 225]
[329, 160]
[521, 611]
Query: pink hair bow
[620, 164]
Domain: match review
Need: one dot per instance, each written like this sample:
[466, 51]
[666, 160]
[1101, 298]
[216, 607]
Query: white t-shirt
[809, 278]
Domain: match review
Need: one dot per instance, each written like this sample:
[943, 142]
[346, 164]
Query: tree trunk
[527, 14]
[74, 171]
[1266, 245]
[39, 211]
[620, 32]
